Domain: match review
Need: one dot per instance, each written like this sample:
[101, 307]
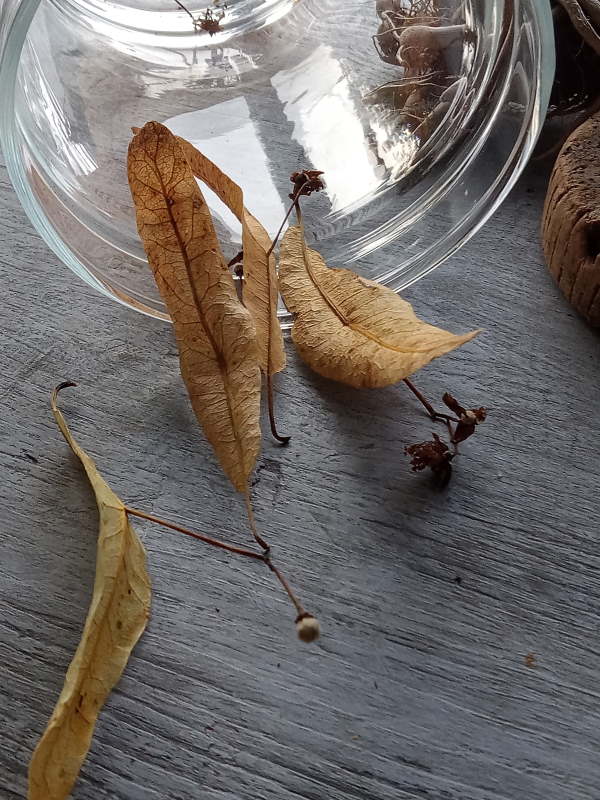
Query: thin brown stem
[252, 522]
[425, 402]
[271, 406]
[237, 259]
[282, 580]
[421, 398]
[281, 439]
[592, 9]
[240, 551]
[187, 11]
[285, 219]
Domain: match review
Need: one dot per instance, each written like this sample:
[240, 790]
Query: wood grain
[430, 602]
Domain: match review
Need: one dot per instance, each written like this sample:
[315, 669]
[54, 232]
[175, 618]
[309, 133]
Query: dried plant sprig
[305, 182]
[264, 557]
[259, 291]
[106, 498]
[351, 329]
[585, 18]
[436, 454]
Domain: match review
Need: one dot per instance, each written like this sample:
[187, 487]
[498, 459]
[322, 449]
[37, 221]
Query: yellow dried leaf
[351, 329]
[116, 619]
[261, 292]
[215, 333]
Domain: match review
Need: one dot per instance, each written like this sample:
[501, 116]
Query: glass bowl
[421, 114]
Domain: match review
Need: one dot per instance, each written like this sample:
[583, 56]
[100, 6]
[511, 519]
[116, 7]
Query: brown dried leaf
[116, 619]
[351, 329]
[261, 292]
[215, 334]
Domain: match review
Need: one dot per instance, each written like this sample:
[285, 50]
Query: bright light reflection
[316, 98]
[395, 148]
[51, 118]
[226, 134]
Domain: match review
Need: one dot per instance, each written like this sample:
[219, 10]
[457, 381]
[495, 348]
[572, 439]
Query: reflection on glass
[50, 116]
[226, 134]
[317, 100]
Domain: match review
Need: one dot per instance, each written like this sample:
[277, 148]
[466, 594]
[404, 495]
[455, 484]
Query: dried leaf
[351, 329]
[214, 332]
[261, 292]
[116, 619]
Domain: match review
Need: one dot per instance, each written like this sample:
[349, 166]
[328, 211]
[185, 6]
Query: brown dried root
[415, 36]
[421, 46]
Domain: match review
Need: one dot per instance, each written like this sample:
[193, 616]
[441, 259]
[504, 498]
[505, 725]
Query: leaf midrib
[221, 363]
[341, 316]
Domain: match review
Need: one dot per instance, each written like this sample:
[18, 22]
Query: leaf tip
[59, 388]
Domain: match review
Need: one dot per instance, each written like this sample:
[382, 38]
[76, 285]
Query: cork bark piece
[571, 220]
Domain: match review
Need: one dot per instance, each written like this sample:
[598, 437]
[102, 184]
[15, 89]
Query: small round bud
[308, 628]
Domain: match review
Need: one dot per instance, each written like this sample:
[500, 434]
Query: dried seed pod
[308, 628]
[571, 220]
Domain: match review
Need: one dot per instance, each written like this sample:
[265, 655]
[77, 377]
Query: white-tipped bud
[308, 628]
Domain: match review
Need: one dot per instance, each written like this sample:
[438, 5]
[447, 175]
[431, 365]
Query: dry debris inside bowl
[417, 37]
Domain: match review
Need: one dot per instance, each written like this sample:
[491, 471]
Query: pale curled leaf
[351, 329]
[116, 619]
[261, 292]
[215, 333]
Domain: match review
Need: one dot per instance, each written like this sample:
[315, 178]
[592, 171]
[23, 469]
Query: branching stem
[270, 402]
[252, 522]
[425, 402]
[297, 194]
[240, 551]
[283, 581]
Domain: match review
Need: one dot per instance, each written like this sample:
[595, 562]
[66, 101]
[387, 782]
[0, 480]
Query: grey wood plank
[429, 601]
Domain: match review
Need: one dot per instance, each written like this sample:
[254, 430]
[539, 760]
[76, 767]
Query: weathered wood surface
[430, 602]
